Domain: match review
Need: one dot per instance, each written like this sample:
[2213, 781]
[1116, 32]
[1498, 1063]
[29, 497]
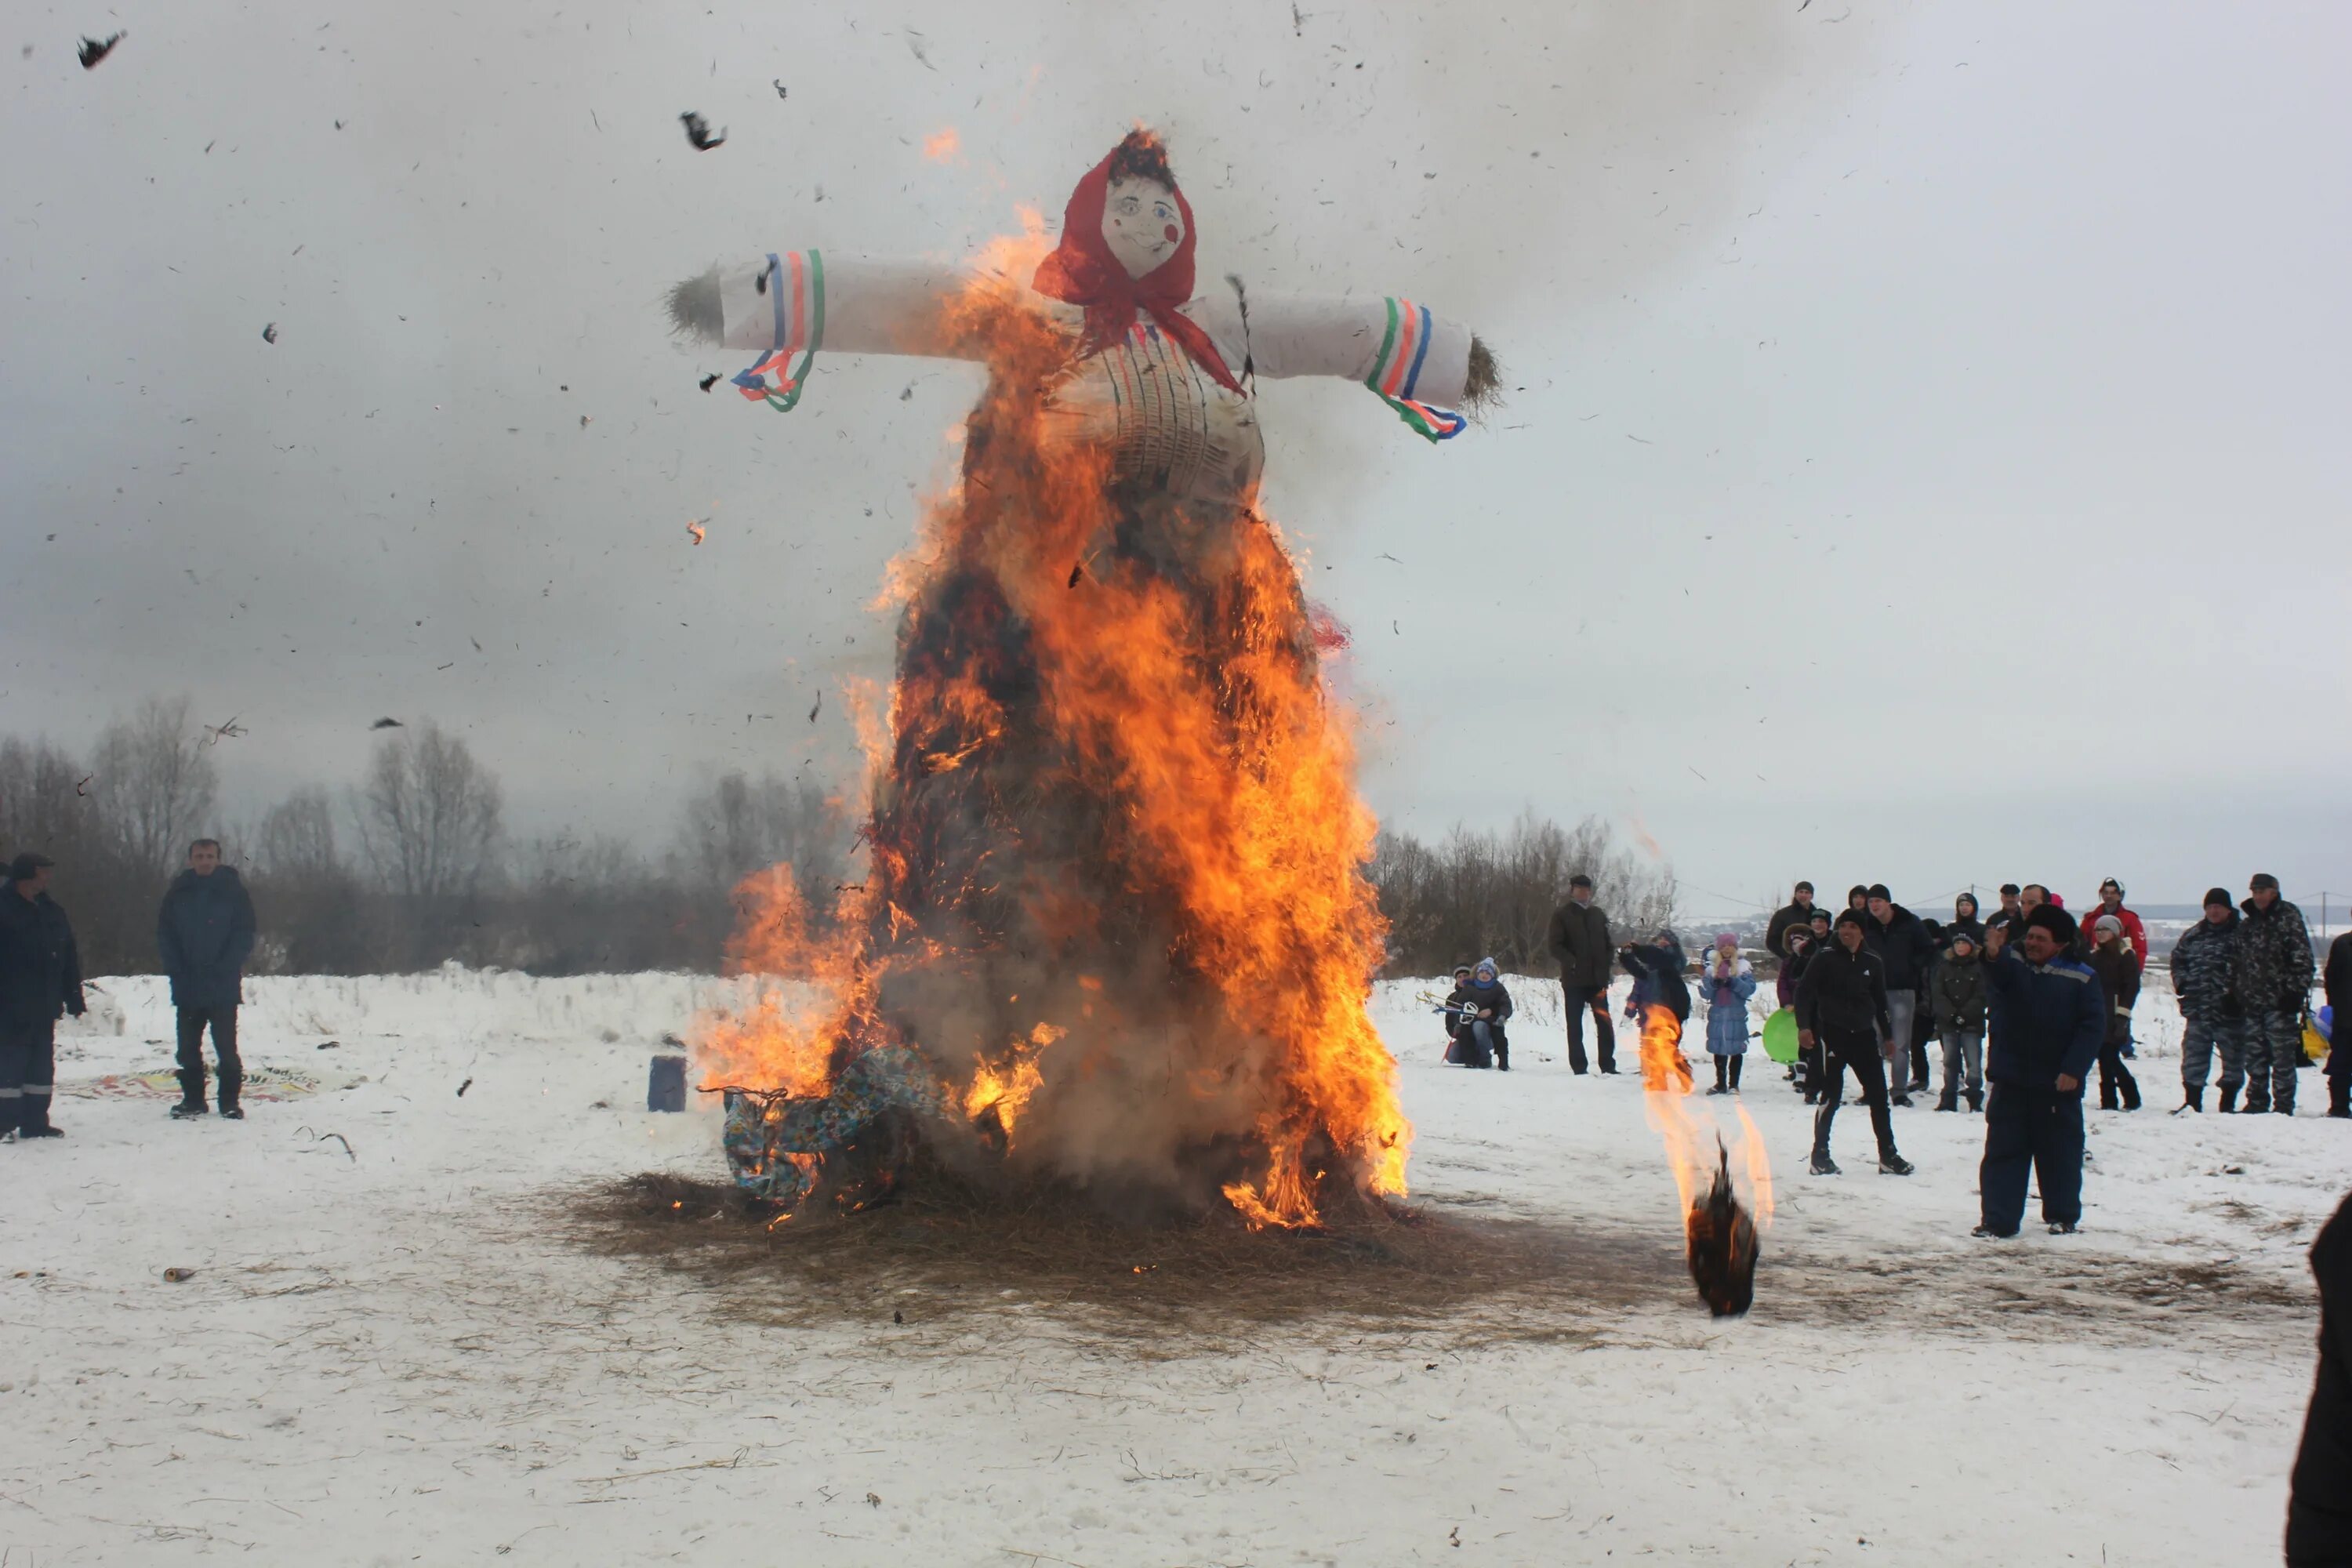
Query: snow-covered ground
[401, 1355]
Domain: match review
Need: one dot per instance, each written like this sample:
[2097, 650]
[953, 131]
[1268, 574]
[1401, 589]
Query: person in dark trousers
[1578, 941]
[1485, 1004]
[1797, 911]
[2048, 1019]
[2272, 976]
[204, 933]
[2337, 980]
[1841, 1007]
[2319, 1494]
[1797, 950]
[2118, 967]
[1896, 936]
[1727, 980]
[40, 978]
[1958, 996]
[2211, 1018]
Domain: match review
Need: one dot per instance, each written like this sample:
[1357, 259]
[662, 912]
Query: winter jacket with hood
[1662, 968]
[1790, 914]
[1727, 1005]
[1578, 941]
[2117, 968]
[1844, 991]
[1970, 926]
[2047, 1020]
[1474, 998]
[1959, 993]
[2203, 960]
[2272, 963]
[204, 933]
[1901, 946]
[40, 968]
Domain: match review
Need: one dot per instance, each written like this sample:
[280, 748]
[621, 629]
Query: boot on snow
[2228, 1106]
[1948, 1102]
[232, 1111]
[1823, 1165]
[2194, 1100]
[1976, 1103]
[187, 1110]
[2062, 1227]
[1891, 1163]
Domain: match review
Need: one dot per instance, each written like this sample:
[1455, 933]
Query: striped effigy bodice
[1168, 424]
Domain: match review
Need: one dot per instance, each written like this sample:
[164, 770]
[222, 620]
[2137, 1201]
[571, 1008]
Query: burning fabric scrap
[1719, 1231]
[1114, 933]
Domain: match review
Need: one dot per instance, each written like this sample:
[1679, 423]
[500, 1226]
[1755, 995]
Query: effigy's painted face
[1141, 225]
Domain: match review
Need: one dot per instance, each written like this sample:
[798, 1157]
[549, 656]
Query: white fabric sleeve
[1415, 354]
[856, 304]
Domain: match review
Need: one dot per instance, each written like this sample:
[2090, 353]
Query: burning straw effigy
[1115, 930]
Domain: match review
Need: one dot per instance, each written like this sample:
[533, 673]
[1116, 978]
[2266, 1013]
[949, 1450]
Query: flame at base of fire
[1114, 928]
[1719, 1230]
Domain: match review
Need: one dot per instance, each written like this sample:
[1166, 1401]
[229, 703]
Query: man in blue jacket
[204, 933]
[2048, 1018]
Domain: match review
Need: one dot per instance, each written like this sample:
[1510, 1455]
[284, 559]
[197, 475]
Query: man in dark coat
[2337, 979]
[1904, 950]
[1579, 940]
[40, 978]
[1842, 1008]
[204, 933]
[2048, 1018]
[2319, 1502]
[1798, 911]
[2210, 1017]
[2271, 975]
[1957, 990]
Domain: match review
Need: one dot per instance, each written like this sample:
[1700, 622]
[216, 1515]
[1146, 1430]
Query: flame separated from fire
[1719, 1230]
[1115, 901]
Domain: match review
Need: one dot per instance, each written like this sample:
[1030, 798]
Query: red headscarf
[1083, 271]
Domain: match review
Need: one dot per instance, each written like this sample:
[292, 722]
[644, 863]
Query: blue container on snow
[666, 1084]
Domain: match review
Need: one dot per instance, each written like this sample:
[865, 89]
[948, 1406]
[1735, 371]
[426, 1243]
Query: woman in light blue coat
[1727, 980]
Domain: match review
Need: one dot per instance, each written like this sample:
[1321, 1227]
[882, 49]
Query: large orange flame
[1115, 891]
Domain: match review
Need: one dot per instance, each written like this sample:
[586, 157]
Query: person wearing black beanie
[2049, 1018]
[2212, 1017]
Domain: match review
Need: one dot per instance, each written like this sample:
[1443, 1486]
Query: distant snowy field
[397, 1357]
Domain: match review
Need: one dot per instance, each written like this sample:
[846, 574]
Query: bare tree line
[1480, 895]
[410, 868]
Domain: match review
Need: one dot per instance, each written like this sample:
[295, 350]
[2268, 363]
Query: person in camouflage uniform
[2271, 969]
[2210, 1017]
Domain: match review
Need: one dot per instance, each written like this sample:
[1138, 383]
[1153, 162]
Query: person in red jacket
[2111, 902]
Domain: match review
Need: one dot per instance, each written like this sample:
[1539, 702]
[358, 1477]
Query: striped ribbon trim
[796, 290]
[1396, 373]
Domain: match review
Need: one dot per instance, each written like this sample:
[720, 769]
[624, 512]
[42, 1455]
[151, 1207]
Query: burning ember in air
[1115, 931]
[1718, 1229]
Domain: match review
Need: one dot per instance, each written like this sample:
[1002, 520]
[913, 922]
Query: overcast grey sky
[1927, 465]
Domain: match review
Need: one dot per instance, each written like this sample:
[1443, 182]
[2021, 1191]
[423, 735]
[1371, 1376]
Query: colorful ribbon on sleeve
[1396, 373]
[796, 288]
